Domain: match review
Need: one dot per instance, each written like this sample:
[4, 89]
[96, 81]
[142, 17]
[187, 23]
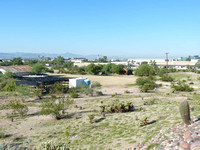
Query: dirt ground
[116, 131]
[111, 84]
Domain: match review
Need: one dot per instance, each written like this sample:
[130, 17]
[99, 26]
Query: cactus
[184, 109]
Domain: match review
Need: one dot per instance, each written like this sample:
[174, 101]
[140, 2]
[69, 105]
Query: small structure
[78, 82]
[36, 80]
[18, 70]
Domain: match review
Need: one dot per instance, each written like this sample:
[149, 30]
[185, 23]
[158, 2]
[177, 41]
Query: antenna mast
[166, 63]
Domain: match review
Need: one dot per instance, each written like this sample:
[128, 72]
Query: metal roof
[17, 68]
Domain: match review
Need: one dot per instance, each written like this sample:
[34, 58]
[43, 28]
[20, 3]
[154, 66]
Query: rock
[186, 133]
[3, 146]
[195, 145]
[186, 146]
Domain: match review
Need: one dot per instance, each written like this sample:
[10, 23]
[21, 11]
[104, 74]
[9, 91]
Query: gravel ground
[179, 137]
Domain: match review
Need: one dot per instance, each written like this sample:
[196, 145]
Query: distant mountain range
[52, 55]
[37, 55]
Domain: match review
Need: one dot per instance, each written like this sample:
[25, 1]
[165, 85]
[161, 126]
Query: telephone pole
[166, 63]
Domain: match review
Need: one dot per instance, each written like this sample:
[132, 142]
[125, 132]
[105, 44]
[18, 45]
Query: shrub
[57, 109]
[198, 78]
[147, 87]
[117, 107]
[38, 93]
[38, 68]
[145, 84]
[50, 70]
[143, 121]
[191, 83]
[85, 89]
[50, 145]
[8, 75]
[91, 118]
[59, 88]
[150, 102]
[10, 85]
[144, 70]
[180, 86]
[99, 93]
[113, 95]
[143, 80]
[17, 61]
[166, 78]
[93, 69]
[2, 134]
[25, 90]
[126, 91]
[112, 68]
[18, 107]
[172, 70]
[74, 95]
[96, 84]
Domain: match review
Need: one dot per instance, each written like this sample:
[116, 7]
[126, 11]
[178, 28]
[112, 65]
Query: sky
[125, 28]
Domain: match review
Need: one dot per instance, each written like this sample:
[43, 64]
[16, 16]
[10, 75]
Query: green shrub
[143, 121]
[99, 93]
[18, 107]
[91, 118]
[50, 145]
[143, 80]
[113, 95]
[59, 88]
[146, 87]
[144, 70]
[2, 134]
[55, 107]
[8, 75]
[10, 85]
[126, 91]
[117, 107]
[150, 102]
[166, 78]
[96, 84]
[180, 86]
[145, 84]
[50, 70]
[172, 70]
[85, 89]
[38, 93]
[24, 90]
[38, 68]
[74, 95]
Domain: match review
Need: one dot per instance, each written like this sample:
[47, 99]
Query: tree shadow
[88, 111]
[38, 100]
[154, 121]
[6, 136]
[68, 116]
[99, 120]
[34, 114]
[198, 119]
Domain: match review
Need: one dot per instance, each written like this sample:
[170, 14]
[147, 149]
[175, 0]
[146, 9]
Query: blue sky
[130, 28]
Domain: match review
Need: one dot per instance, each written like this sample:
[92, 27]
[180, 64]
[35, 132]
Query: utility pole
[166, 63]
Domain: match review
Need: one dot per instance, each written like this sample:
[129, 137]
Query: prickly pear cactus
[184, 109]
